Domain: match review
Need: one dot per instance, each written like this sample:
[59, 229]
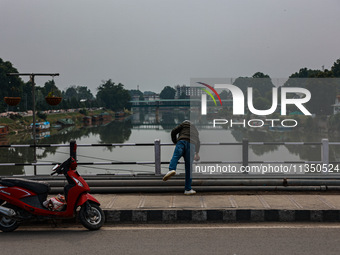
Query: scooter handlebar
[65, 166]
[55, 169]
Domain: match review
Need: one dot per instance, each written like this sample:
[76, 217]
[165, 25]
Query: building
[4, 130]
[188, 91]
[150, 96]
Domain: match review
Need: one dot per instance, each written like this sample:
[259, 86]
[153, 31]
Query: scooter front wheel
[8, 224]
[91, 216]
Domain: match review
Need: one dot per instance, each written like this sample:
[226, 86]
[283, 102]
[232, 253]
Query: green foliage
[15, 117]
[167, 93]
[70, 92]
[51, 90]
[42, 115]
[113, 96]
[259, 81]
[305, 73]
[262, 89]
[334, 121]
[336, 68]
[83, 111]
[323, 96]
[260, 75]
[135, 93]
[323, 91]
[74, 94]
[10, 85]
[84, 93]
[183, 96]
[261, 103]
[310, 123]
[225, 94]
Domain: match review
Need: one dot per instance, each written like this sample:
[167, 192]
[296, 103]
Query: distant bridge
[169, 126]
[176, 103]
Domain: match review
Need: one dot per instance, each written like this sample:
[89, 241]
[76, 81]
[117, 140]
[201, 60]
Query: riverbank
[18, 124]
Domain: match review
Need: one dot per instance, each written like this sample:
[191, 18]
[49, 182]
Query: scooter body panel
[15, 192]
[87, 197]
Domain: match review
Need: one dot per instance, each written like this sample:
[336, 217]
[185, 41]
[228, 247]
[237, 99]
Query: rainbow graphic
[209, 93]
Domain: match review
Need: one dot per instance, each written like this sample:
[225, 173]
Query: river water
[145, 126]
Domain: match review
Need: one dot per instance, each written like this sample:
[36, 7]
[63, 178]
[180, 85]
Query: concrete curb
[207, 216]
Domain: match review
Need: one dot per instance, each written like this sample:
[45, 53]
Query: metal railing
[157, 153]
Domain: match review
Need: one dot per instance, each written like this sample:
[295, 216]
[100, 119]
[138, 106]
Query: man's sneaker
[189, 192]
[169, 174]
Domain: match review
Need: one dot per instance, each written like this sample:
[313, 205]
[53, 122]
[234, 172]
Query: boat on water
[41, 135]
[41, 125]
[65, 122]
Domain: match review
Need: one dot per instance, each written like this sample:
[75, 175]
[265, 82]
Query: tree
[70, 92]
[10, 85]
[50, 87]
[74, 103]
[260, 75]
[135, 93]
[260, 81]
[225, 94]
[305, 73]
[167, 93]
[183, 96]
[84, 93]
[323, 91]
[336, 68]
[113, 96]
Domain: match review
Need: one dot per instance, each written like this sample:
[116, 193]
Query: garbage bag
[55, 203]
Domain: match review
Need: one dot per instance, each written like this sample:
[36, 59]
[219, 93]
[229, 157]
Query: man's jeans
[187, 150]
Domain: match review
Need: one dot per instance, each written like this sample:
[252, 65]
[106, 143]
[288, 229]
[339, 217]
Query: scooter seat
[38, 187]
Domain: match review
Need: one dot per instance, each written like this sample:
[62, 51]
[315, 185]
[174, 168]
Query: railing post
[245, 151]
[73, 149]
[157, 157]
[325, 154]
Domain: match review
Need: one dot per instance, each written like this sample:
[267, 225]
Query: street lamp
[32, 75]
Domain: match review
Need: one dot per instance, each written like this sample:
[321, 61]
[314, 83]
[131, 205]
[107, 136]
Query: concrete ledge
[236, 215]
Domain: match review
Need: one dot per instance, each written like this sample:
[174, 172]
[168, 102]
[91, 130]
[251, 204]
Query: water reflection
[165, 119]
[148, 124]
[111, 132]
[304, 152]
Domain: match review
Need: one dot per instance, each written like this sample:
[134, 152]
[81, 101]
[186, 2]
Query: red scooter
[22, 200]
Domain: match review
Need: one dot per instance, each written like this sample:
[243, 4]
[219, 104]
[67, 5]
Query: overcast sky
[155, 43]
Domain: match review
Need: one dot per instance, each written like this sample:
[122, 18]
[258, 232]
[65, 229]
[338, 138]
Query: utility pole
[32, 75]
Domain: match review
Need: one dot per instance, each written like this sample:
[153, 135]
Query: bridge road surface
[234, 239]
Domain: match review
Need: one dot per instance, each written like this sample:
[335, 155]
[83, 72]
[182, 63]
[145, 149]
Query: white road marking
[189, 226]
[220, 227]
